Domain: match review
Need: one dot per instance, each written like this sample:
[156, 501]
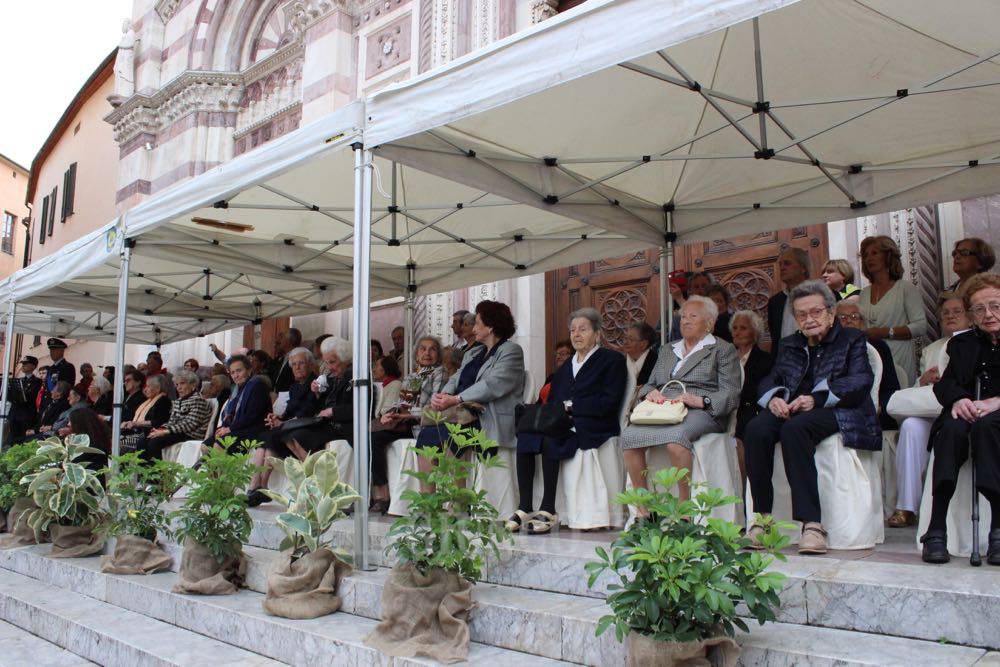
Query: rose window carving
[618, 310]
[749, 290]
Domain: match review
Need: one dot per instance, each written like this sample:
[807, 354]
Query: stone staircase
[533, 608]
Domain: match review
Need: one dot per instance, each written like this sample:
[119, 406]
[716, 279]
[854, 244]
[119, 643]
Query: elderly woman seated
[591, 386]
[302, 404]
[912, 449]
[243, 416]
[99, 396]
[77, 401]
[709, 370]
[189, 415]
[820, 385]
[849, 314]
[151, 413]
[58, 404]
[968, 419]
[747, 329]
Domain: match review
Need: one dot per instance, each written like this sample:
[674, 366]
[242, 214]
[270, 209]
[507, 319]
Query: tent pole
[411, 290]
[671, 236]
[8, 342]
[362, 349]
[665, 292]
[119, 387]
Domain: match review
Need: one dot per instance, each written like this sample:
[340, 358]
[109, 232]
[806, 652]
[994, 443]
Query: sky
[50, 48]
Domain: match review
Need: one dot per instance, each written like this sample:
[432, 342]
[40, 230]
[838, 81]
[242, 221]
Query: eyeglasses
[815, 313]
[962, 252]
[979, 311]
[852, 317]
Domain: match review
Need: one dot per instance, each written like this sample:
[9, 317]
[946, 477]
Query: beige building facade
[13, 186]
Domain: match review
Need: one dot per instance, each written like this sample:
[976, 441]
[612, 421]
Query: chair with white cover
[890, 439]
[850, 488]
[401, 457]
[500, 483]
[959, 520]
[188, 452]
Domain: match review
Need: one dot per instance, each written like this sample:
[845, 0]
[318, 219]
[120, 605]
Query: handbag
[914, 402]
[548, 419]
[462, 414]
[648, 413]
[299, 422]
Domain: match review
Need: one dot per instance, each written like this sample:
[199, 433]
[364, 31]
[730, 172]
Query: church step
[237, 619]
[864, 595]
[19, 647]
[108, 634]
[553, 625]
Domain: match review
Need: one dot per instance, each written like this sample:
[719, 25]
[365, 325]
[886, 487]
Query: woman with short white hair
[747, 329]
[709, 369]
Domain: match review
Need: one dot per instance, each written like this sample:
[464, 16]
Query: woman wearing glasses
[971, 355]
[892, 307]
[820, 385]
[970, 256]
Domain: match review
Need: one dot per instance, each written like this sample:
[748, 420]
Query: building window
[43, 220]
[9, 225]
[69, 192]
[52, 209]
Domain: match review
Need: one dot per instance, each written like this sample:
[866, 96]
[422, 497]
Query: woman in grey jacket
[492, 374]
[709, 368]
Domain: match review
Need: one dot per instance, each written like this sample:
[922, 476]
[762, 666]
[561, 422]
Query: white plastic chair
[850, 488]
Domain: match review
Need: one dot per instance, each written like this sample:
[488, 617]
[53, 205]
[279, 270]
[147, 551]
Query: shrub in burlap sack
[305, 587]
[201, 574]
[424, 615]
[136, 555]
[644, 651]
[75, 541]
[20, 534]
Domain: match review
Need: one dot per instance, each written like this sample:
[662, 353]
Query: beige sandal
[542, 523]
[517, 521]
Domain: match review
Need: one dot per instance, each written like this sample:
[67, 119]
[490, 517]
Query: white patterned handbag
[648, 413]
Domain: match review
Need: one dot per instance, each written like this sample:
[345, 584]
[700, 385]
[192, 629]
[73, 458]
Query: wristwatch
[891, 333]
[707, 402]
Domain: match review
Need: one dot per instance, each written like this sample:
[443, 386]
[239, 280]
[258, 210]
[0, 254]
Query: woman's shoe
[518, 520]
[935, 549]
[902, 519]
[380, 505]
[257, 497]
[542, 523]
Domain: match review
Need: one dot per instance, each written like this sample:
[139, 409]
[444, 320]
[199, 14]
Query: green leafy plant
[10, 479]
[66, 493]
[136, 491]
[681, 574]
[452, 527]
[215, 511]
[316, 498]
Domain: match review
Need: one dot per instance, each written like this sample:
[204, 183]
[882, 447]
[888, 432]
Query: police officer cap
[56, 344]
[28, 359]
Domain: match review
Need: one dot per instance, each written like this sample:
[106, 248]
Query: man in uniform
[23, 399]
[60, 370]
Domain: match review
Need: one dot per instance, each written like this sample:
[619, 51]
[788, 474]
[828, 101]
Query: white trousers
[911, 461]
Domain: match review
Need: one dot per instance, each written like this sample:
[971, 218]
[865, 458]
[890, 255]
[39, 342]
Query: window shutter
[52, 209]
[43, 220]
[69, 191]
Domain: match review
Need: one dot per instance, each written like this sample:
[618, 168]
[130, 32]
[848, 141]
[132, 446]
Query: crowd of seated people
[793, 377]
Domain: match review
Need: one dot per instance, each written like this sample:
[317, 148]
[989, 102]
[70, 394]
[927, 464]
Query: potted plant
[681, 575]
[13, 496]
[441, 547]
[137, 489]
[307, 574]
[214, 522]
[68, 495]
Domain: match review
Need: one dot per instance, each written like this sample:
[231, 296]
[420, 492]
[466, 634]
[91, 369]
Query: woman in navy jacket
[591, 384]
[245, 412]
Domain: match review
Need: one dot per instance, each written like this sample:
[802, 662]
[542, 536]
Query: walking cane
[975, 559]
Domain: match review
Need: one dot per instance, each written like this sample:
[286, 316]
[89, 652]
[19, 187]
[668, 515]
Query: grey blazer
[712, 371]
[499, 387]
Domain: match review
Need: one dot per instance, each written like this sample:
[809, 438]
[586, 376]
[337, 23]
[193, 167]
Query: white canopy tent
[621, 123]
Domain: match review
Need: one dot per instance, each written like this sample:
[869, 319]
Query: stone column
[328, 72]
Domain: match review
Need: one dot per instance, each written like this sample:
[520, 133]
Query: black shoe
[381, 506]
[935, 543]
[257, 497]
[993, 553]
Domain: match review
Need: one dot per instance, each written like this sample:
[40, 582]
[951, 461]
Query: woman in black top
[747, 328]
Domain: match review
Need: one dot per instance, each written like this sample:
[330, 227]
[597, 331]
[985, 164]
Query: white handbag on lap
[914, 402]
[648, 413]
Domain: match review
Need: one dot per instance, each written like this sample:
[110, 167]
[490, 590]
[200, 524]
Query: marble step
[552, 625]
[19, 647]
[236, 619]
[868, 596]
[107, 634]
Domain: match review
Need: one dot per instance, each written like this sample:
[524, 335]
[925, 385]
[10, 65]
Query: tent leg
[664, 299]
[362, 350]
[669, 298]
[411, 290]
[8, 343]
[120, 332]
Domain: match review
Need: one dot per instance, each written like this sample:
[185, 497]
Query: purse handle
[683, 388]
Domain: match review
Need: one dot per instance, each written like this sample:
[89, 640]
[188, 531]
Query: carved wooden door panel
[748, 265]
[269, 330]
[622, 289]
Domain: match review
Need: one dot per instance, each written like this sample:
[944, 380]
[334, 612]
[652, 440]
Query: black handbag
[548, 419]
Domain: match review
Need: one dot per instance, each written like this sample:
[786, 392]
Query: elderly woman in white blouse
[891, 306]
[709, 368]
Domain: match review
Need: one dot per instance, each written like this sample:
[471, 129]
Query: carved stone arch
[218, 45]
